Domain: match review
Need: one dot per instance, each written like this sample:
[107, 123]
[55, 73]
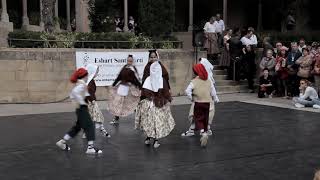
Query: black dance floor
[250, 142]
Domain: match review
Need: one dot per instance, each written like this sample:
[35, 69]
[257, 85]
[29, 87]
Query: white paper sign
[110, 64]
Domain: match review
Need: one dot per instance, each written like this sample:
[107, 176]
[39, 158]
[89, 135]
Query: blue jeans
[304, 102]
[316, 101]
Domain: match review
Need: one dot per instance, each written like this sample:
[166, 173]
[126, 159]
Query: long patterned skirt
[95, 112]
[123, 105]
[155, 122]
[225, 58]
[211, 43]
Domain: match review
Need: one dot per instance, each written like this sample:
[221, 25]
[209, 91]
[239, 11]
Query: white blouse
[79, 93]
[210, 28]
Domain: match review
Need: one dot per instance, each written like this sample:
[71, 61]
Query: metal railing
[35, 43]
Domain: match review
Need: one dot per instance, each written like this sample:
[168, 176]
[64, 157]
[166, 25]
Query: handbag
[123, 90]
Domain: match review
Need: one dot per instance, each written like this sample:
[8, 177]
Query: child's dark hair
[152, 51]
[130, 55]
[266, 69]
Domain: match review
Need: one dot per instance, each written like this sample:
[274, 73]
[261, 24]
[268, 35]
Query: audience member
[282, 72]
[308, 95]
[293, 82]
[265, 82]
[305, 65]
[268, 62]
[248, 60]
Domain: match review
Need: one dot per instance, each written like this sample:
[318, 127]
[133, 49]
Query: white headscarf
[155, 81]
[209, 68]
[92, 69]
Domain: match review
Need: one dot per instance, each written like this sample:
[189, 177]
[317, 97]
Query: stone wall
[42, 75]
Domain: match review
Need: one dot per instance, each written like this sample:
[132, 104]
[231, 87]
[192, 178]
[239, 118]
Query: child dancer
[126, 92]
[78, 94]
[153, 114]
[94, 110]
[201, 91]
[209, 68]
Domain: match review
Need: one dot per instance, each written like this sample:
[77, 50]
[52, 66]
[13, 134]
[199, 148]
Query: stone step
[226, 83]
[220, 77]
[220, 72]
[229, 89]
[217, 67]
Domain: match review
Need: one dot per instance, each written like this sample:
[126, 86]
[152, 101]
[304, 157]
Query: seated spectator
[268, 62]
[305, 65]
[316, 70]
[282, 72]
[266, 87]
[308, 95]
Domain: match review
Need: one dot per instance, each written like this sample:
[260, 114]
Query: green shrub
[88, 40]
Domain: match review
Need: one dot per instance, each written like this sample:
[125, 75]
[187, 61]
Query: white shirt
[300, 48]
[210, 28]
[219, 26]
[213, 92]
[310, 92]
[254, 39]
[246, 41]
[79, 93]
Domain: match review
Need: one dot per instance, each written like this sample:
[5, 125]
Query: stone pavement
[23, 109]
[250, 142]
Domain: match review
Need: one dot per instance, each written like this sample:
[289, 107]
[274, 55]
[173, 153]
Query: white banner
[110, 64]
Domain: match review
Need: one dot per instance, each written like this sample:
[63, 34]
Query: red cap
[78, 74]
[201, 71]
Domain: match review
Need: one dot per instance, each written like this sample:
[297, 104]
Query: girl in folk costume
[78, 95]
[201, 91]
[209, 68]
[126, 94]
[94, 110]
[153, 114]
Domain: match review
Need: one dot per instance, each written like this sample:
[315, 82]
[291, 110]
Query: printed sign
[110, 64]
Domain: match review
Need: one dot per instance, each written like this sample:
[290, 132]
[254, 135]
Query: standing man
[235, 49]
[293, 81]
[220, 27]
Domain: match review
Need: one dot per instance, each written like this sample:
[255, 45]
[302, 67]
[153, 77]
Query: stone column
[25, 19]
[259, 28]
[225, 12]
[56, 15]
[78, 16]
[125, 28]
[41, 15]
[68, 15]
[190, 28]
[4, 13]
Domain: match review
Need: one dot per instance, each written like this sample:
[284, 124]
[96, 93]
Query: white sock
[98, 125]
[192, 126]
[90, 143]
[66, 137]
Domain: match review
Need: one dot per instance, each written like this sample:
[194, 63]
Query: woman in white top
[225, 57]
[211, 43]
[308, 95]
[78, 96]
